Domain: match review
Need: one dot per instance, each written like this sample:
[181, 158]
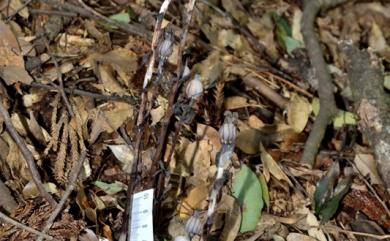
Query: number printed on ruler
[142, 216]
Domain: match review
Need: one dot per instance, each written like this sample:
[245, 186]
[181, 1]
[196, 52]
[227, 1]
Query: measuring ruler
[142, 216]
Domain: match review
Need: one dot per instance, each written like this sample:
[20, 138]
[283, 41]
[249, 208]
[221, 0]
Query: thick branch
[372, 105]
[325, 87]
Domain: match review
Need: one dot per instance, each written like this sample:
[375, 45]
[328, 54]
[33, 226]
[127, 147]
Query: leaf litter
[99, 69]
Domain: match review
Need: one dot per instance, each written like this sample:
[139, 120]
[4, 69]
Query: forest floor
[246, 120]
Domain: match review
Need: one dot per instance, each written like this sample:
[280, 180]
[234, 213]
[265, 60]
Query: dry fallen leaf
[298, 112]
[366, 164]
[206, 132]
[210, 69]
[11, 62]
[197, 160]
[109, 117]
[158, 113]
[14, 6]
[232, 212]
[236, 102]
[299, 237]
[195, 199]
[272, 167]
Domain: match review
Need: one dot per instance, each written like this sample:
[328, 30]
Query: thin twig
[53, 12]
[59, 76]
[18, 10]
[325, 89]
[135, 29]
[26, 154]
[72, 182]
[337, 229]
[24, 227]
[173, 95]
[370, 187]
[72, 91]
[140, 120]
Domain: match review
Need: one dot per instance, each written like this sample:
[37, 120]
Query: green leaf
[330, 207]
[247, 189]
[343, 118]
[290, 44]
[324, 187]
[121, 17]
[110, 188]
[264, 189]
[284, 33]
[315, 106]
[282, 26]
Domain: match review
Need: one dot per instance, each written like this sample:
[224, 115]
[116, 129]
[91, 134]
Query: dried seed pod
[194, 225]
[165, 46]
[228, 130]
[194, 88]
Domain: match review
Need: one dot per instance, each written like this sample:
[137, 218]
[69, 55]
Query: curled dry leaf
[32, 127]
[272, 167]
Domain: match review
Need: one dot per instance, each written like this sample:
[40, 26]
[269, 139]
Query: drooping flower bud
[228, 130]
[165, 46]
[181, 238]
[194, 225]
[194, 88]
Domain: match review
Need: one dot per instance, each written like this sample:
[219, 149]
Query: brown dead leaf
[249, 140]
[110, 83]
[51, 74]
[158, 113]
[27, 126]
[236, 102]
[209, 133]
[235, 8]
[11, 61]
[75, 44]
[310, 223]
[231, 208]
[272, 167]
[109, 117]
[197, 160]
[255, 122]
[210, 69]
[227, 38]
[366, 164]
[263, 29]
[195, 199]
[12, 7]
[298, 112]
[299, 237]
[378, 42]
